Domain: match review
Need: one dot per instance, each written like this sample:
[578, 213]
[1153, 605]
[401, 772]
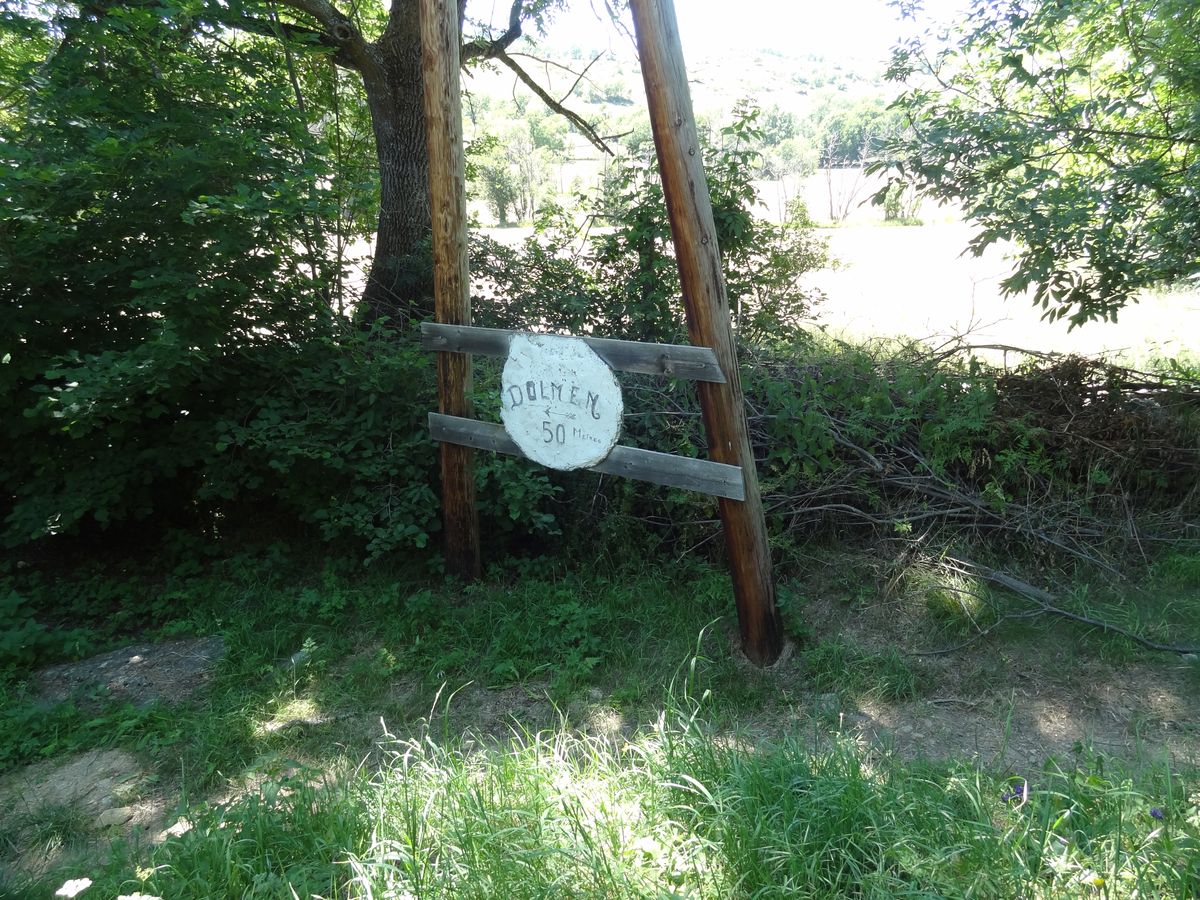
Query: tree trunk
[400, 285]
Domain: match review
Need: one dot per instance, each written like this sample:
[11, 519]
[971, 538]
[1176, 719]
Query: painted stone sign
[560, 402]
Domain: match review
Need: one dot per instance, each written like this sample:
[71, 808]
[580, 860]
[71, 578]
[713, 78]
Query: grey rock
[110, 817]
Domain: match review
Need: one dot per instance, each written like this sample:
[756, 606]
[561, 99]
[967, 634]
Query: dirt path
[1016, 704]
[71, 808]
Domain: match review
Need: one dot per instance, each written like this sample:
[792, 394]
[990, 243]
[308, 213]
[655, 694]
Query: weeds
[1180, 570]
[45, 830]
[560, 635]
[689, 806]
[836, 666]
[685, 809]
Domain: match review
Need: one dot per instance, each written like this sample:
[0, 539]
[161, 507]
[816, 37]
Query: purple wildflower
[1018, 790]
[1157, 813]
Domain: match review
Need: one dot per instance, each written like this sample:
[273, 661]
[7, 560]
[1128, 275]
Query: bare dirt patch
[64, 809]
[72, 808]
[1012, 704]
[142, 674]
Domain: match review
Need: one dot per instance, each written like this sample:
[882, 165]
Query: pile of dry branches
[1070, 456]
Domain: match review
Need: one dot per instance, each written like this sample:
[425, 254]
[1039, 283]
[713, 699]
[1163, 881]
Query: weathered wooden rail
[677, 360]
[705, 476]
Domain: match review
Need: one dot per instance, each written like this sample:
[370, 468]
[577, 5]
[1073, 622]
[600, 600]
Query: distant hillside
[816, 113]
[611, 89]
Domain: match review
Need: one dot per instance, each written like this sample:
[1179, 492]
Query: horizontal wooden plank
[701, 475]
[678, 360]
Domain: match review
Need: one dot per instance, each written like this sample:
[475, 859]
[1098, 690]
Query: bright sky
[859, 29]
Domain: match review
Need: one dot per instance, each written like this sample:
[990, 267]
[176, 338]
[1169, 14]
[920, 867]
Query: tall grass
[682, 810]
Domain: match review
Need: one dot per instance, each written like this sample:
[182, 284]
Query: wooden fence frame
[711, 360]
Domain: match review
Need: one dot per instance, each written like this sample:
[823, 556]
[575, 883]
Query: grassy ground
[677, 811]
[590, 731]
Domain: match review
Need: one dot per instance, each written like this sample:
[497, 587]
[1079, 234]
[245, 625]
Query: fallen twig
[1048, 603]
[979, 636]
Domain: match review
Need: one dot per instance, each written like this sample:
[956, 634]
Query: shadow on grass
[329, 674]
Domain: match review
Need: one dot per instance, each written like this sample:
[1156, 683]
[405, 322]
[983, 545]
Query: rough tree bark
[390, 68]
[400, 282]
[398, 287]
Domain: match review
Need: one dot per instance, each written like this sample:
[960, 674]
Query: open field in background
[894, 281]
[916, 281]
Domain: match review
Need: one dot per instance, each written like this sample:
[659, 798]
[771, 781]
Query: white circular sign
[559, 401]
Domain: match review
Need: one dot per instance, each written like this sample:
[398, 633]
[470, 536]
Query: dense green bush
[169, 353]
[1058, 455]
[620, 279]
[179, 363]
[154, 238]
[1063, 431]
[329, 435]
[24, 640]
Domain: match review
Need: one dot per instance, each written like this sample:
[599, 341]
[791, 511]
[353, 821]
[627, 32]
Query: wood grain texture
[676, 360]
[701, 475]
[689, 208]
[440, 44]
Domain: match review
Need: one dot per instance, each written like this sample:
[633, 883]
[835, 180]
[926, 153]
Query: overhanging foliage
[1072, 128]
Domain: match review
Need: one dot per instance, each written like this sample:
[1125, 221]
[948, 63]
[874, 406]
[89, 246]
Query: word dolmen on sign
[560, 402]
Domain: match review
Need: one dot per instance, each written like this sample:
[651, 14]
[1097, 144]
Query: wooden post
[451, 280]
[700, 273]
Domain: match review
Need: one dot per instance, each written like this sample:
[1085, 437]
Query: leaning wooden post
[699, 259]
[451, 280]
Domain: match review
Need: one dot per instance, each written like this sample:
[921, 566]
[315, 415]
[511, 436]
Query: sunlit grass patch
[684, 809]
[288, 713]
[615, 801]
[1179, 569]
[549, 814]
[46, 829]
[955, 602]
[1164, 608]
